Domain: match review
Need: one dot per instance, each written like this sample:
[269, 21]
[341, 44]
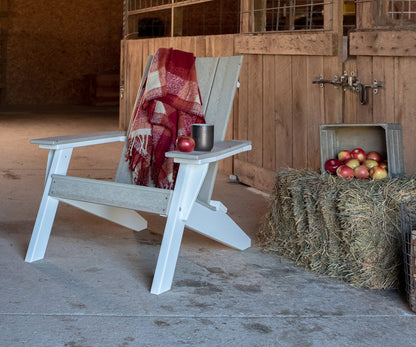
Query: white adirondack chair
[189, 204]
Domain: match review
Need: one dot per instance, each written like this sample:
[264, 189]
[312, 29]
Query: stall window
[164, 18]
[290, 15]
[402, 12]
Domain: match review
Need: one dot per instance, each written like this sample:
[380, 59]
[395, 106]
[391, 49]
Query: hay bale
[348, 229]
[327, 203]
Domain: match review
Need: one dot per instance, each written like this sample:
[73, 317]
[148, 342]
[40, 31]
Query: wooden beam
[166, 7]
[255, 176]
[383, 43]
[322, 43]
[245, 18]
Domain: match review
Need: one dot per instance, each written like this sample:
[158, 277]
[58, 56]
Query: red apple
[344, 155]
[383, 164]
[377, 172]
[359, 154]
[345, 171]
[361, 172]
[373, 155]
[186, 144]
[331, 165]
[370, 163]
[352, 163]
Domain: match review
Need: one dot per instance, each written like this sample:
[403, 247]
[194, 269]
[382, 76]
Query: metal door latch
[350, 82]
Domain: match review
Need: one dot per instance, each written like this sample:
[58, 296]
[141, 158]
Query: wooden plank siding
[394, 102]
[279, 109]
[383, 43]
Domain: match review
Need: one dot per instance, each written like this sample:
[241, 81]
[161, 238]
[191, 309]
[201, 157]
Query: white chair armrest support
[220, 151]
[71, 141]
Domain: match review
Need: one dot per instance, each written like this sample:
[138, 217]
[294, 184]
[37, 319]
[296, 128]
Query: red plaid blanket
[169, 103]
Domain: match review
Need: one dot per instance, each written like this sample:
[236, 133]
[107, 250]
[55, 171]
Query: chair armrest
[220, 151]
[70, 141]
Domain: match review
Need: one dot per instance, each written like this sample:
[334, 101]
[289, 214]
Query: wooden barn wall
[395, 102]
[277, 107]
[378, 50]
[280, 111]
[53, 46]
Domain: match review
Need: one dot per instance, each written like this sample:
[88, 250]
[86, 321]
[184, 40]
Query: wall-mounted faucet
[350, 82]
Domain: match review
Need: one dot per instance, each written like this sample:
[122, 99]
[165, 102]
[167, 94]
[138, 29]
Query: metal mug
[203, 135]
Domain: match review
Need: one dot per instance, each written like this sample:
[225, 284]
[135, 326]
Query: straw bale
[344, 228]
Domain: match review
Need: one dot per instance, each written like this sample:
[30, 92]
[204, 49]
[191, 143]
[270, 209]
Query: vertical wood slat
[350, 98]
[406, 105]
[364, 17]
[269, 126]
[383, 101]
[133, 76]
[333, 97]
[283, 112]
[314, 112]
[245, 18]
[123, 87]
[254, 109]
[365, 73]
[397, 96]
[200, 48]
[300, 112]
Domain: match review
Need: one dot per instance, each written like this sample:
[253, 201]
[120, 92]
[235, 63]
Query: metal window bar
[401, 10]
[288, 15]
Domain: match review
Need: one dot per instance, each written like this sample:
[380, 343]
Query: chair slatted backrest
[217, 80]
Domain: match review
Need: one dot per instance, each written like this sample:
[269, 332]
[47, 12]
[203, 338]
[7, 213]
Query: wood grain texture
[406, 105]
[283, 112]
[333, 97]
[255, 109]
[350, 98]
[269, 123]
[383, 101]
[300, 112]
[289, 43]
[383, 43]
[365, 74]
[315, 111]
[255, 176]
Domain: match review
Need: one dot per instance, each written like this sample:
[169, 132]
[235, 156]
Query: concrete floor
[92, 288]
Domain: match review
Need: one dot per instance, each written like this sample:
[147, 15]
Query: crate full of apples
[357, 163]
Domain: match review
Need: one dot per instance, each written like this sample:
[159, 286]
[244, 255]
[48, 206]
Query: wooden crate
[383, 138]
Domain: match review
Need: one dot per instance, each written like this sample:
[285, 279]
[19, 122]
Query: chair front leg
[58, 162]
[188, 184]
